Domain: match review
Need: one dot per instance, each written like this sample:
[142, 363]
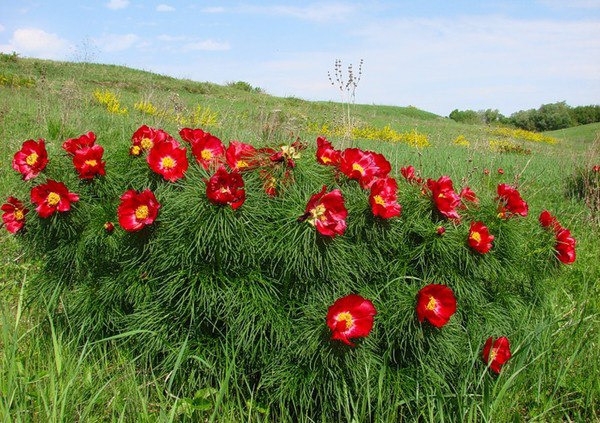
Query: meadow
[52, 369]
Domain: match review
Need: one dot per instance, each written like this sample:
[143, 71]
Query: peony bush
[301, 274]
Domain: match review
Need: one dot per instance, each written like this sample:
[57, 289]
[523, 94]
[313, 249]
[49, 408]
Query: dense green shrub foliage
[222, 294]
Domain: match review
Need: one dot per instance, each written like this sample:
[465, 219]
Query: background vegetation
[50, 372]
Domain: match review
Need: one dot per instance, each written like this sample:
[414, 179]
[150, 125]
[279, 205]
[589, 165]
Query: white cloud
[317, 12]
[169, 38]
[1, 28]
[110, 43]
[117, 4]
[207, 45]
[164, 8]
[36, 42]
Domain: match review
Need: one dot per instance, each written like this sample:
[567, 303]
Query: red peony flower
[144, 138]
[468, 196]
[88, 162]
[510, 202]
[326, 212]
[14, 215]
[224, 188]
[440, 230]
[436, 303]
[364, 166]
[548, 221]
[137, 209]
[496, 353]
[408, 172]
[444, 197]
[480, 238]
[350, 317]
[51, 197]
[326, 154]
[240, 156]
[384, 198]
[31, 159]
[168, 159]
[208, 150]
[565, 246]
[73, 144]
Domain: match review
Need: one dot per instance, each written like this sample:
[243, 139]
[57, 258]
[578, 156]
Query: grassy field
[49, 374]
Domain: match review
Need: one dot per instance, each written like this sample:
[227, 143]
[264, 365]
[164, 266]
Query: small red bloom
[168, 159]
[480, 238]
[408, 172]
[486, 171]
[326, 212]
[224, 188]
[137, 209]
[500, 171]
[208, 150]
[441, 230]
[565, 246]
[364, 166]
[326, 154]
[496, 353]
[384, 198]
[51, 197]
[109, 227]
[350, 317]
[73, 144]
[548, 221]
[88, 162]
[14, 215]
[596, 168]
[144, 138]
[510, 202]
[444, 197]
[240, 156]
[31, 159]
[436, 303]
[468, 196]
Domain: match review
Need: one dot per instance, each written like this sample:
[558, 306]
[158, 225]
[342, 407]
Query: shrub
[234, 273]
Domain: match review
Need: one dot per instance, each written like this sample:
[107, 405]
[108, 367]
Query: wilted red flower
[240, 156]
[144, 138]
[468, 196]
[326, 212]
[444, 197]
[168, 159]
[208, 150]
[88, 162]
[364, 166]
[510, 202]
[73, 144]
[137, 209]
[14, 214]
[496, 353]
[224, 188]
[384, 198]
[31, 159]
[326, 154]
[51, 197]
[350, 317]
[547, 220]
[565, 246]
[480, 238]
[436, 303]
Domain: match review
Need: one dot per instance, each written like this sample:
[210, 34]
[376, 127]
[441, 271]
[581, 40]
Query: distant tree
[465, 116]
[490, 116]
[553, 116]
[583, 115]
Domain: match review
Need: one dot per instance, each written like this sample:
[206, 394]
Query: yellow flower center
[379, 200]
[53, 199]
[167, 163]
[345, 316]
[493, 353]
[91, 163]
[476, 236]
[317, 213]
[141, 212]
[18, 214]
[146, 143]
[31, 159]
[325, 159]
[206, 154]
[431, 304]
[356, 166]
[135, 150]
[241, 164]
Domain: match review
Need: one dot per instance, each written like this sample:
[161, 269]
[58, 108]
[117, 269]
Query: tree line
[547, 117]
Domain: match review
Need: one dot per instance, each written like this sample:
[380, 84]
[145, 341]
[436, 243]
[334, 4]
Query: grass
[49, 374]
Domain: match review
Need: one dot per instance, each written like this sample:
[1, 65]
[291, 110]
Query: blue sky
[437, 55]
